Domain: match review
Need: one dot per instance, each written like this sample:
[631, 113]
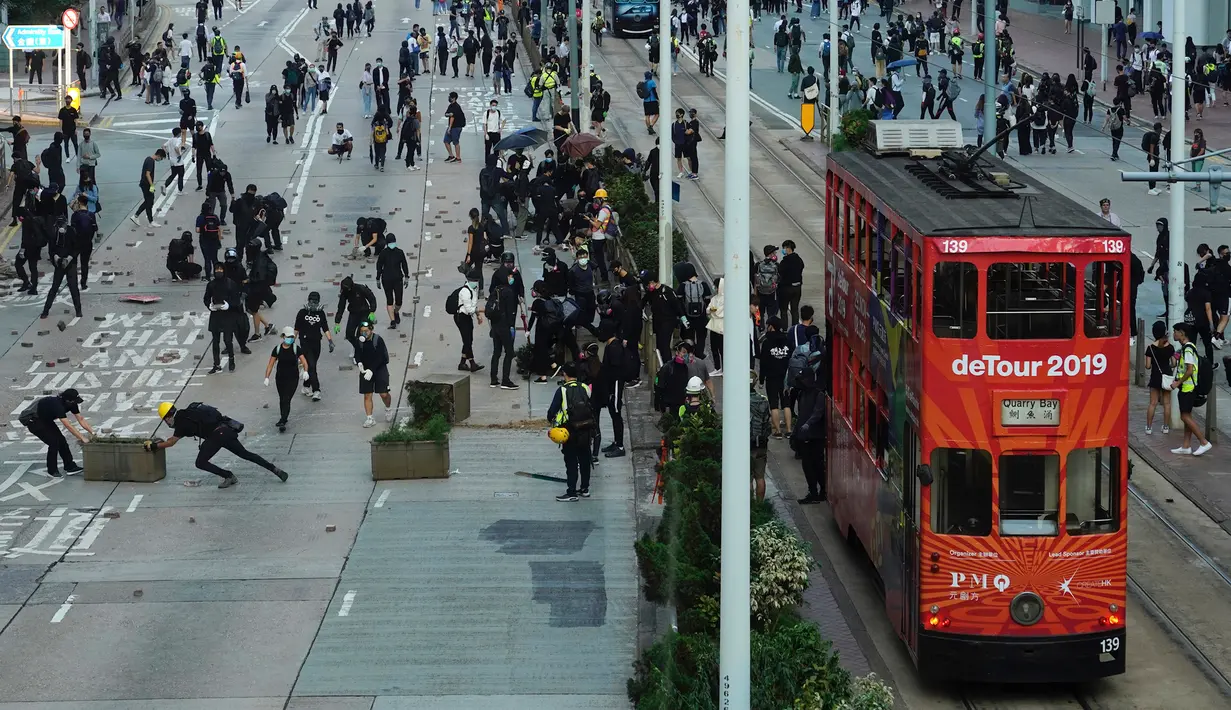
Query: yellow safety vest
[1191, 383]
[562, 415]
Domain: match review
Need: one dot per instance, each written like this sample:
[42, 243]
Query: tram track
[1026, 698]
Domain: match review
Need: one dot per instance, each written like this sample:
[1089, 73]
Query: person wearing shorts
[758, 430]
[453, 134]
[650, 102]
[1186, 382]
[774, 356]
[373, 359]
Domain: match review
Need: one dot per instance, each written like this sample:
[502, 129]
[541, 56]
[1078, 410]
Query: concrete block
[123, 461]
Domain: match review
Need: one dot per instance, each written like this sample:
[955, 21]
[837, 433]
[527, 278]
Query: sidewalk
[1205, 480]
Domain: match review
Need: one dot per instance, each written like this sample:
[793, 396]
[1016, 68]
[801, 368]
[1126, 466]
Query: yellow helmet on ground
[164, 409]
[557, 434]
[601, 193]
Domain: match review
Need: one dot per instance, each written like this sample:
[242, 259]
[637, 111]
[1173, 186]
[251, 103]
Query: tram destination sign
[1030, 412]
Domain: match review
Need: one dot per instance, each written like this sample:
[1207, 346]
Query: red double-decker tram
[978, 417]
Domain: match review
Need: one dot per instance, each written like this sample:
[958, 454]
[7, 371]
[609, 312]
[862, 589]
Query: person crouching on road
[216, 431]
[40, 419]
[179, 259]
[292, 369]
[570, 410]
[373, 359]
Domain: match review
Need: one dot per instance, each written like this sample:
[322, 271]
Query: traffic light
[74, 93]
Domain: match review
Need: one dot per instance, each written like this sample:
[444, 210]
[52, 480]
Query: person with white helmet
[216, 432]
[292, 369]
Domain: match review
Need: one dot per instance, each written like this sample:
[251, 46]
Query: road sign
[71, 18]
[23, 37]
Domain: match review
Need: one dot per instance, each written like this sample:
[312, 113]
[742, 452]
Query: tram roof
[1035, 210]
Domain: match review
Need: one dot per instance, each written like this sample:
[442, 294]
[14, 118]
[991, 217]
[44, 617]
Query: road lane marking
[132, 507]
[427, 311]
[418, 359]
[347, 601]
[63, 610]
[380, 502]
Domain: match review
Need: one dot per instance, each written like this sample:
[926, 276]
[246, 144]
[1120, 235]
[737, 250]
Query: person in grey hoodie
[88, 155]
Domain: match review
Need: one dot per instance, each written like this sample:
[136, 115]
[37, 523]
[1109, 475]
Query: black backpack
[643, 90]
[487, 181]
[580, 413]
[205, 417]
[694, 298]
[453, 302]
[271, 271]
[276, 199]
[60, 239]
[553, 314]
[1205, 377]
[491, 309]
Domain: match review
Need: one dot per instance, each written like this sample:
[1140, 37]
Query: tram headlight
[1026, 608]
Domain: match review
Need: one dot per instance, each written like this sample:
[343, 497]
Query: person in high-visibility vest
[977, 49]
[571, 410]
[217, 49]
[956, 50]
[1186, 382]
[211, 79]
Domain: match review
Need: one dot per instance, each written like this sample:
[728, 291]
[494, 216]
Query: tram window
[955, 305]
[1103, 311]
[1029, 494]
[1031, 301]
[961, 492]
[1092, 491]
[863, 241]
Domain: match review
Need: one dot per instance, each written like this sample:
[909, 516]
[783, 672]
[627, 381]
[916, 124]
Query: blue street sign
[23, 37]
[675, 191]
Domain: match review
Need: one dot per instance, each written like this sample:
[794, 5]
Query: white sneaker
[1203, 449]
[1153, 192]
[305, 391]
[133, 217]
[1177, 450]
[316, 396]
[389, 414]
[369, 422]
[1217, 343]
[716, 373]
[1166, 429]
[154, 225]
[1149, 430]
[681, 176]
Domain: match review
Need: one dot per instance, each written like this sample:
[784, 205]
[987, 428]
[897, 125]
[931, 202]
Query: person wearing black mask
[546, 320]
[311, 324]
[665, 312]
[393, 274]
[62, 250]
[774, 353]
[85, 226]
[223, 300]
[359, 300]
[555, 273]
[53, 159]
[545, 198]
[235, 271]
[179, 259]
[1162, 253]
[613, 373]
[31, 247]
[41, 417]
[508, 266]
[791, 282]
[501, 311]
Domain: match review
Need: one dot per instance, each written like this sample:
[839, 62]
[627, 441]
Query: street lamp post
[832, 79]
[990, 79]
[734, 687]
[1175, 276]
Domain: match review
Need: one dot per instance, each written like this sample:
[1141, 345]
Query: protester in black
[774, 354]
[40, 419]
[613, 373]
[223, 300]
[501, 311]
[373, 361]
[393, 274]
[61, 249]
[311, 324]
[358, 301]
[790, 282]
[179, 259]
[84, 226]
[216, 431]
[292, 369]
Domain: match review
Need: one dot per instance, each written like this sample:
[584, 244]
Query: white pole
[666, 115]
[833, 73]
[1102, 65]
[12, 71]
[1175, 270]
[735, 607]
[586, 36]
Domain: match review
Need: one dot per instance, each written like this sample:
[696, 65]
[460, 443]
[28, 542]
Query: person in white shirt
[365, 90]
[467, 312]
[856, 9]
[493, 126]
[1104, 206]
[186, 46]
[343, 142]
[177, 155]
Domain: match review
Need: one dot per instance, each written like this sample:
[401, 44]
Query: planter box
[457, 391]
[404, 460]
[122, 462]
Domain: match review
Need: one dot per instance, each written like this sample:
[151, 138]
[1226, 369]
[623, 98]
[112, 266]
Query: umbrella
[580, 145]
[902, 63]
[1152, 35]
[519, 140]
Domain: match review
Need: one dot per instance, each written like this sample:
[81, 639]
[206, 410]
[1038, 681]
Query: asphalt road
[479, 591]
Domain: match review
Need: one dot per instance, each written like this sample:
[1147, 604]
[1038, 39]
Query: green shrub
[428, 399]
[855, 125]
[436, 429]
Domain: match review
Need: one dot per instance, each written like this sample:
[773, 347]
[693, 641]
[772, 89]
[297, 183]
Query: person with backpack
[501, 312]
[410, 134]
[381, 126]
[216, 431]
[147, 189]
[273, 109]
[262, 275]
[463, 305]
[217, 49]
[219, 187]
[62, 250]
[274, 205]
[209, 236]
[695, 296]
[665, 312]
[393, 274]
[1188, 381]
[546, 322]
[223, 299]
[571, 411]
[758, 434]
[40, 419]
[765, 280]
[179, 259]
[613, 374]
[292, 369]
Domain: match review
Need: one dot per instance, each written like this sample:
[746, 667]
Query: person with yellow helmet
[216, 432]
[571, 411]
[602, 224]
